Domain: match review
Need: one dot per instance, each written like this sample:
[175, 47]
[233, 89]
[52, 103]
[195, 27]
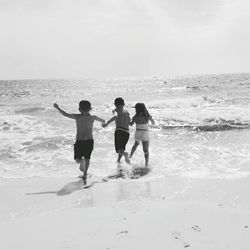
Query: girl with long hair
[141, 120]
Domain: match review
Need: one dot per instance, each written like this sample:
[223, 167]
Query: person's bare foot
[127, 158]
[84, 179]
[84, 182]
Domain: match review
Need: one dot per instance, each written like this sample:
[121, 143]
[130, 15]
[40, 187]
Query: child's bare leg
[82, 165]
[136, 144]
[120, 154]
[146, 155]
[145, 145]
[126, 157]
[87, 161]
[123, 153]
[81, 162]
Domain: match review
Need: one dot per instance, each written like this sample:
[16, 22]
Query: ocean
[202, 126]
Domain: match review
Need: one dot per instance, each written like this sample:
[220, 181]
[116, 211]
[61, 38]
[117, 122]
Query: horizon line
[122, 77]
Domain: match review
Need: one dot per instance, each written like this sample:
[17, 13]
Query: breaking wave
[37, 141]
[221, 100]
[207, 125]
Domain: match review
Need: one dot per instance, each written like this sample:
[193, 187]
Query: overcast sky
[120, 38]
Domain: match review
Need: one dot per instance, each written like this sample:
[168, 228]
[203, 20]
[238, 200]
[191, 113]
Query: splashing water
[202, 126]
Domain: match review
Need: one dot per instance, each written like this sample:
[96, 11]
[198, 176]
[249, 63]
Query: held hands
[104, 125]
[56, 105]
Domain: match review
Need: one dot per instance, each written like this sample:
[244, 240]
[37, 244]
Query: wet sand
[170, 213]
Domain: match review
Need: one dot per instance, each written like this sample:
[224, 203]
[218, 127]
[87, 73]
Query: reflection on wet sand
[127, 190]
[99, 192]
[115, 192]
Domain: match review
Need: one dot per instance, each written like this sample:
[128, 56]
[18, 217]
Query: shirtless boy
[122, 120]
[84, 144]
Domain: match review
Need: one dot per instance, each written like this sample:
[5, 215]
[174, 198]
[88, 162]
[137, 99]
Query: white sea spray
[202, 125]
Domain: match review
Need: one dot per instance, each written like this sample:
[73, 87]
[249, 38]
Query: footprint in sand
[196, 229]
[122, 232]
[177, 236]
[222, 205]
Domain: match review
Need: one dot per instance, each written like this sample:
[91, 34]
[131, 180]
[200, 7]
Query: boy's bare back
[84, 126]
[122, 119]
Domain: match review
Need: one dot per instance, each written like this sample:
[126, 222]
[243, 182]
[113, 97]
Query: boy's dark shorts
[83, 148]
[121, 139]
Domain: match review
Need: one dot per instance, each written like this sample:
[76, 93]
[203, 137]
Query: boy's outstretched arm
[99, 119]
[71, 116]
[108, 122]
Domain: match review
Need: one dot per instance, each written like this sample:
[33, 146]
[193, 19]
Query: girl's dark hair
[140, 108]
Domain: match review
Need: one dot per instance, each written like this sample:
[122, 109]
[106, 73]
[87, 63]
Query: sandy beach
[195, 197]
[164, 84]
[172, 213]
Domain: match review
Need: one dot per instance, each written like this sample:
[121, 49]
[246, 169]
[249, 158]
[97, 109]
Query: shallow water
[202, 126]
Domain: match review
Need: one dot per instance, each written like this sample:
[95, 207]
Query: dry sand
[172, 213]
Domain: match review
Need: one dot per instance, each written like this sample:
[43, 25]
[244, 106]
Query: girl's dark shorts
[83, 148]
[121, 139]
